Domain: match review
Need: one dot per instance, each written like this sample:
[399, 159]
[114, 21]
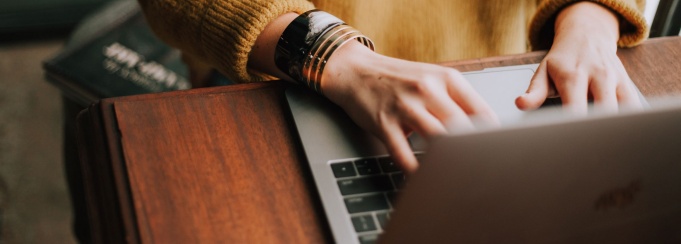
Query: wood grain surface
[224, 165]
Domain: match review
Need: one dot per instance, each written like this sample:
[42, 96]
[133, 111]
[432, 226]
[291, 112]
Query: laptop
[358, 182]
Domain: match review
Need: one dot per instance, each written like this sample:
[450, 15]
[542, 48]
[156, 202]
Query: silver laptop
[359, 184]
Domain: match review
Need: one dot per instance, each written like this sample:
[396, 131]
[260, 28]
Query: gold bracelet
[309, 41]
[324, 47]
[310, 66]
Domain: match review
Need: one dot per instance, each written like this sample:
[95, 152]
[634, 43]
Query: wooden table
[224, 165]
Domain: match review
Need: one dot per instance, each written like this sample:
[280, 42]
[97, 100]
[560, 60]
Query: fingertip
[401, 152]
[536, 93]
[605, 104]
[528, 101]
[405, 159]
[628, 97]
[487, 119]
[410, 166]
[520, 102]
[492, 119]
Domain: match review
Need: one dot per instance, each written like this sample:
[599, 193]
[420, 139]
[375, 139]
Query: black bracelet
[308, 42]
[297, 40]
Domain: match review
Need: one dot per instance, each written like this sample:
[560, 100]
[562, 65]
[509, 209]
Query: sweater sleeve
[220, 32]
[633, 27]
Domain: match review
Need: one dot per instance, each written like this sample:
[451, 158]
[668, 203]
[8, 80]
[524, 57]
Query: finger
[424, 123]
[628, 96]
[443, 107]
[538, 90]
[604, 94]
[468, 100]
[398, 147]
[460, 121]
[573, 90]
[440, 116]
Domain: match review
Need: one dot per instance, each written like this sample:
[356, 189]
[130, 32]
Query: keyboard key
[345, 169]
[368, 239]
[398, 179]
[388, 165]
[377, 183]
[382, 219]
[366, 203]
[367, 166]
[364, 223]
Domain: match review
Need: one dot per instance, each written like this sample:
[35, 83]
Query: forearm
[221, 32]
[261, 57]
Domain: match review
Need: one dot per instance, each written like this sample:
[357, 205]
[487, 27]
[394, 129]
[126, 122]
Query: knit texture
[223, 32]
[633, 27]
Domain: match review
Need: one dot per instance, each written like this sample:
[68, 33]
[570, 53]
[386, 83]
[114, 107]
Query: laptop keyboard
[369, 187]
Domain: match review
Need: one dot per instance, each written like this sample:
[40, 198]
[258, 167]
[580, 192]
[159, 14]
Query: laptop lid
[608, 179]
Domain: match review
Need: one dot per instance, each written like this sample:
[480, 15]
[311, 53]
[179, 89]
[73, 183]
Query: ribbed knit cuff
[230, 28]
[633, 30]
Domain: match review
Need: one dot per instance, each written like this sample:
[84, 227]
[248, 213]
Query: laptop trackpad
[500, 89]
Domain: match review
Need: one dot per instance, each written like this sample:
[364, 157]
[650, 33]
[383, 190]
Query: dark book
[114, 53]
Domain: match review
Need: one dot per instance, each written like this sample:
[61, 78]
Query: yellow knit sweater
[222, 32]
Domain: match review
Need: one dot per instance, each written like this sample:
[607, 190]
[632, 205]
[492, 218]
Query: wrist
[347, 69]
[587, 18]
[307, 44]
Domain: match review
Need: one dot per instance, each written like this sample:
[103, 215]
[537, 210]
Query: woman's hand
[386, 96]
[583, 63]
[392, 98]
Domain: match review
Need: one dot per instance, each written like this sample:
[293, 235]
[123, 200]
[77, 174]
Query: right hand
[391, 98]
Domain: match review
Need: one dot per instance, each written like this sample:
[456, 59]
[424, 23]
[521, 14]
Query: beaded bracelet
[309, 41]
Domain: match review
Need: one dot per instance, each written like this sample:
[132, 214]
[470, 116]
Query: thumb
[537, 91]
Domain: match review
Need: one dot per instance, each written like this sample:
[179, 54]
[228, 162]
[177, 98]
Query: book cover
[114, 53]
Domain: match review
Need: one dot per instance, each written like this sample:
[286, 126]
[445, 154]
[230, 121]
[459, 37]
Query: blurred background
[34, 200]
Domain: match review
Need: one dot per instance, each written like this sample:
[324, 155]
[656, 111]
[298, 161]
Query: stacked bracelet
[309, 41]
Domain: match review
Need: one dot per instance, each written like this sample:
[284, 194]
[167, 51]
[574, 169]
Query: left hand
[583, 63]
